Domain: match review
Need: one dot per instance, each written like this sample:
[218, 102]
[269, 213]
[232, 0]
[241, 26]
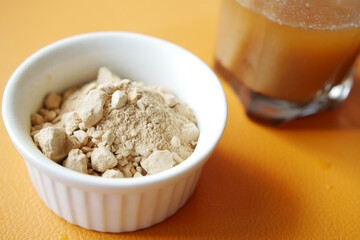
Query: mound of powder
[115, 128]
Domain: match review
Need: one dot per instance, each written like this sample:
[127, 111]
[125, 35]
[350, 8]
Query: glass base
[273, 111]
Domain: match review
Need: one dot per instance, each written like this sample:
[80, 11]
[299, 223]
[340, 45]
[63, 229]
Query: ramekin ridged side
[115, 212]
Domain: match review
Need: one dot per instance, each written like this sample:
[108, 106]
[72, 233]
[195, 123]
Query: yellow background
[298, 181]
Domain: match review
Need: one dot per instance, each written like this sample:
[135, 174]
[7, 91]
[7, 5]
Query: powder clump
[54, 143]
[115, 128]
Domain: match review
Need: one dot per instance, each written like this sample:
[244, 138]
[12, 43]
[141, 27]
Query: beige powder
[125, 128]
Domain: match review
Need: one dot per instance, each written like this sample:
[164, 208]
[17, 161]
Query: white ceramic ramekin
[113, 205]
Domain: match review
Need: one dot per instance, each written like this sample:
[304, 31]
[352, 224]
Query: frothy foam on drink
[317, 14]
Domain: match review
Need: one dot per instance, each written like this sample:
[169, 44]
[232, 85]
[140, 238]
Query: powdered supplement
[115, 128]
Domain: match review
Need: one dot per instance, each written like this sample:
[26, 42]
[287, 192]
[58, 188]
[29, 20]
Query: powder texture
[119, 128]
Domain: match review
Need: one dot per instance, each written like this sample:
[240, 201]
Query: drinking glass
[287, 59]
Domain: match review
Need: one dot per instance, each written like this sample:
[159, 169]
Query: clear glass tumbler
[287, 59]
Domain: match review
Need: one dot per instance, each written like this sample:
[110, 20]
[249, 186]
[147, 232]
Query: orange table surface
[297, 181]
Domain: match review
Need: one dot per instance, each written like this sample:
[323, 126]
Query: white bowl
[113, 205]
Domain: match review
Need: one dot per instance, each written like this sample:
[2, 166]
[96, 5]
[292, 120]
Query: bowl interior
[75, 60]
